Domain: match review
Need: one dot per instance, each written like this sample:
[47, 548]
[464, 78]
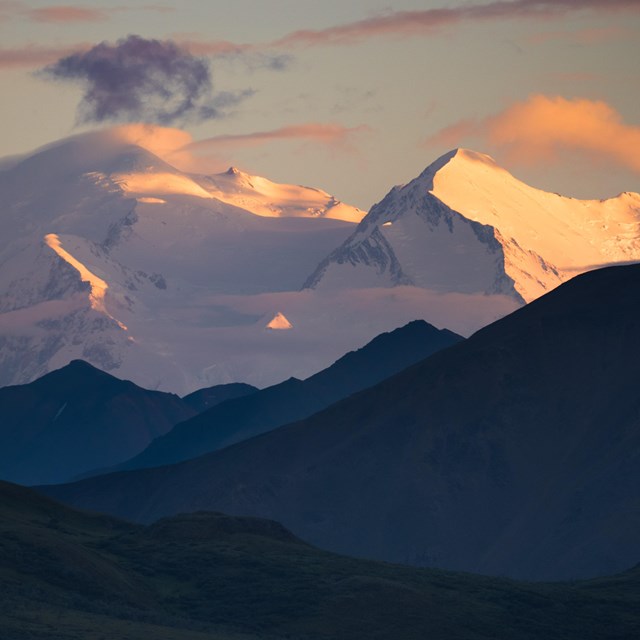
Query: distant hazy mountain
[512, 453]
[196, 577]
[76, 419]
[245, 417]
[467, 225]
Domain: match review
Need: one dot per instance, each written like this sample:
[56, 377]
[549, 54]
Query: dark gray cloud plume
[137, 79]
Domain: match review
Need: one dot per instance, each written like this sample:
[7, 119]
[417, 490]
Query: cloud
[418, 23]
[67, 13]
[330, 134]
[142, 80]
[35, 56]
[538, 129]
[250, 55]
[159, 140]
[214, 154]
[390, 24]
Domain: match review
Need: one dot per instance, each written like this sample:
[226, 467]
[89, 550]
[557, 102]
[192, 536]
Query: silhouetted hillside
[76, 419]
[70, 575]
[293, 399]
[512, 453]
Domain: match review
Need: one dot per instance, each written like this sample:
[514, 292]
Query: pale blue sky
[391, 91]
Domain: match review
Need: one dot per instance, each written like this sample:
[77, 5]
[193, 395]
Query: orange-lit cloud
[538, 129]
[330, 134]
[159, 140]
[67, 13]
[215, 153]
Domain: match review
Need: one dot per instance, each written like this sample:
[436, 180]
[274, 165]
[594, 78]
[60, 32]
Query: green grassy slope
[67, 574]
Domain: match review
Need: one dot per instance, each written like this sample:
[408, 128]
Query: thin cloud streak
[36, 56]
[416, 23]
[393, 24]
[537, 130]
[67, 13]
[329, 134]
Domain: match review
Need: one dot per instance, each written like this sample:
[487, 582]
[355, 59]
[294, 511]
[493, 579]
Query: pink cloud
[67, 13]
[35, 56]
[416, 23]
[394, 23]
[538, 129]
[330, 134]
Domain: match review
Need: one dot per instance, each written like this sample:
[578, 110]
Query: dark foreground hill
[515, 452]
[76, 419]
[239, 419]
[69, 575]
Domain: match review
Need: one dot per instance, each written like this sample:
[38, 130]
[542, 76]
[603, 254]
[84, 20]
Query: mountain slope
[78, 418]
[467, 225]
[209, 397]
[237, 420]
[196, 576]
[514, 452]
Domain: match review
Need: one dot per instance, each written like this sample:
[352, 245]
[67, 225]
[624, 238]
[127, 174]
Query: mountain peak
[76, 374]
[456, 159]
[466, 225]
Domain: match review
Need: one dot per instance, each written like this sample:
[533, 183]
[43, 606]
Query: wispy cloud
[31, 56]
[326, 133]
[138, 79]
[538, 129]
[428, 21]
[67, 13]
[391, 24]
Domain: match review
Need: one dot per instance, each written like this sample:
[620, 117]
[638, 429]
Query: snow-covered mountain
[179, 280]
[107, 252]
[467, 225]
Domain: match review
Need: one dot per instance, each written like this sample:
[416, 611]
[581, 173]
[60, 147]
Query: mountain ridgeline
[511, 453]
[77, 418]
[239, 419]
[467, 225]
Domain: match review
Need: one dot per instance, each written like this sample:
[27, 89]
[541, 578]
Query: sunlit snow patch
[98, 285]
[279, 322]
[151, 200]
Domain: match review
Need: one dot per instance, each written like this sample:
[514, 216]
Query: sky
[351, 97]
